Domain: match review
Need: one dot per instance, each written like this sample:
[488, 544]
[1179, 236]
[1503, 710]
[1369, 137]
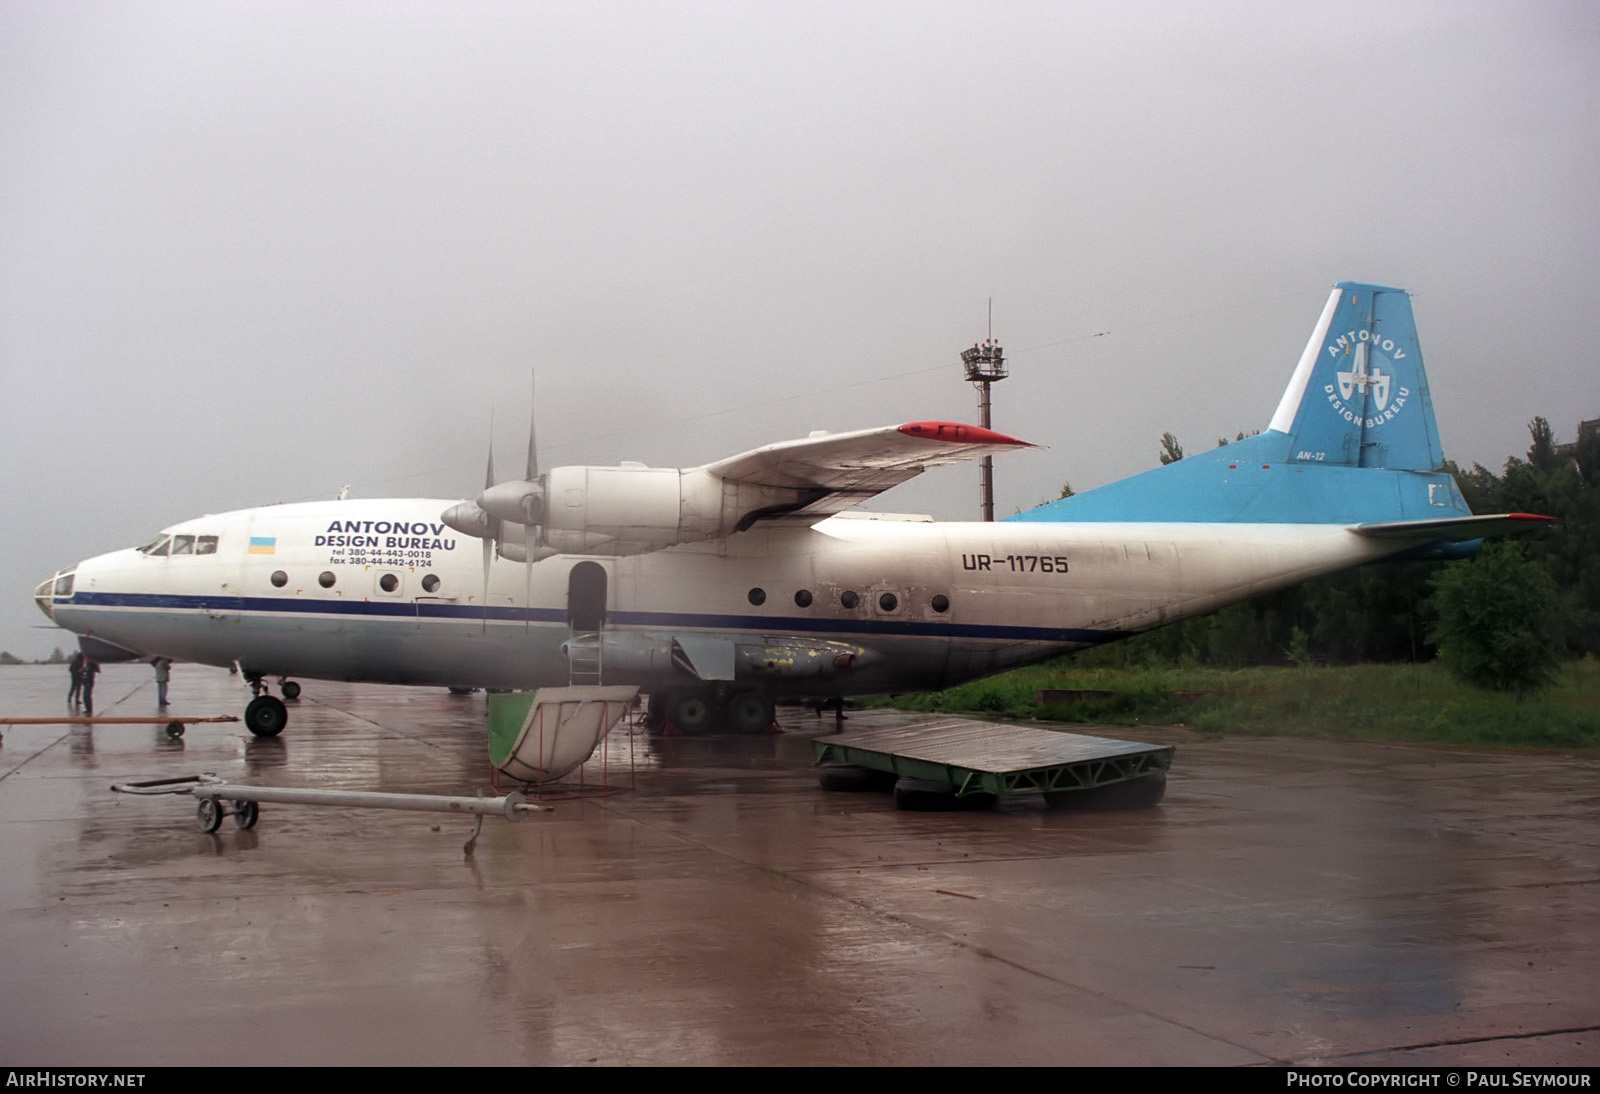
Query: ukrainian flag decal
[263, 545]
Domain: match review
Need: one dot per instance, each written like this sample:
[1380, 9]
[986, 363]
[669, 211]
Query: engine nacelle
[633, 509]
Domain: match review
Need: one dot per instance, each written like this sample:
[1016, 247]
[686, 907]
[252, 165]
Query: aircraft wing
[834, 471]
[1452, 529]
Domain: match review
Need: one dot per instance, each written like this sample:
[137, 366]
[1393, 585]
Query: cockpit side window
[183, 545]
[205, 545]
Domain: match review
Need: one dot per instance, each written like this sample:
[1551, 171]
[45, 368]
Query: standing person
[75, 670]
[163, 667]
[90, 667]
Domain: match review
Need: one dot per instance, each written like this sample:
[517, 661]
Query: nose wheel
[266, 716]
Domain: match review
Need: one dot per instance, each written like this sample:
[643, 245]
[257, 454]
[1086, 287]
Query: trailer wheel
[1144, 792]
[850, 778]
[245, 814]
[208, 814]
[923, 795]
[174, 730]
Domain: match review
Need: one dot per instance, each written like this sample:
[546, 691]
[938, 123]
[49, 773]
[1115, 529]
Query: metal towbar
[218, 798]
[174, 724]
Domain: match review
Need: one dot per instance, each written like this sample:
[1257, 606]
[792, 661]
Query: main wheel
[291, 690]
[750, 712]
[266, 716]
[691, 712]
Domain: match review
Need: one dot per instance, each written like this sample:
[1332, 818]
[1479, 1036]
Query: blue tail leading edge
[1353, 442]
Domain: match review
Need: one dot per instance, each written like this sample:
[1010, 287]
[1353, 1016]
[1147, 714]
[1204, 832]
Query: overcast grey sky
[251, 252]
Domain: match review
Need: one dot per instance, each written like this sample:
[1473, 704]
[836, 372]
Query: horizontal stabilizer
[1453, 529]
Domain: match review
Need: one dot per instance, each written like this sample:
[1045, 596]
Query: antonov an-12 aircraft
[720, 589]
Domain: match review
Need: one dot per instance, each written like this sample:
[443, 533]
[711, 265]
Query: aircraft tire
[693, 713]
[1145, 792]
[291, 690]
[750, 712]
[266, 716]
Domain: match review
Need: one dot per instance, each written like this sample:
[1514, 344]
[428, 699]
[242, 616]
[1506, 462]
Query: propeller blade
[488, 557]
[533, 418]
[492, 532]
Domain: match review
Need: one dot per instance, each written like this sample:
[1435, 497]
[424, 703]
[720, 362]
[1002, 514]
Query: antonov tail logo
[1362, 378]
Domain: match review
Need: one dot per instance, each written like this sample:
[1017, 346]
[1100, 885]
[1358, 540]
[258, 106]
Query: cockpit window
[64, 585]
[164, 545]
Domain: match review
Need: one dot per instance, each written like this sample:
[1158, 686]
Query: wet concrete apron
[1290, 901]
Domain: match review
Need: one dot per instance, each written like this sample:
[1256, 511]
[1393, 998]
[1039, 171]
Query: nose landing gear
[265, 716]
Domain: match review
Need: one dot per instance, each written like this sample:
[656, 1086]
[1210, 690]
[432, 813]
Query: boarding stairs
[584, 661]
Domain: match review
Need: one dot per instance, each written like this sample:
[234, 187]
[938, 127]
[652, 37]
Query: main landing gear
[699, 712]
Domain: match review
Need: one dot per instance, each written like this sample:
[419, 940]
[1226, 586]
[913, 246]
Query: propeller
[515, 502]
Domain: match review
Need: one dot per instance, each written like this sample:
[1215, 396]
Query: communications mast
[985, 364]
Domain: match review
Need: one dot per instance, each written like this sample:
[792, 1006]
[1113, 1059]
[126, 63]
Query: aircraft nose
[50, 588]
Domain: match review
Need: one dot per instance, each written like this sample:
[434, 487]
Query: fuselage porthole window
[279, 578]
[941, 603]
[430, 583]
[849, 599]
[802, 599]
[388, 583]
[888, 602]
[326, 579]
[758, 597]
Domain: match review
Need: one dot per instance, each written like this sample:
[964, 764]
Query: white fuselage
[933, 604]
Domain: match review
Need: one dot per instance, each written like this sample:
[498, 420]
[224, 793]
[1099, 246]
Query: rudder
[1359, 396]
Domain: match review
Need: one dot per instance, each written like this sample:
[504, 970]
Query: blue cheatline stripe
[404, 609]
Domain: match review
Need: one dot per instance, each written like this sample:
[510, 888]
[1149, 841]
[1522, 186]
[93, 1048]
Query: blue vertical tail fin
[1359, 396]
[1353, 439]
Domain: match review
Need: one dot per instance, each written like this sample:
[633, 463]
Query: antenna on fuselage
[985, 365]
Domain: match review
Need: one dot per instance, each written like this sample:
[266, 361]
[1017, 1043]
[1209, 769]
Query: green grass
[1360, 702]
